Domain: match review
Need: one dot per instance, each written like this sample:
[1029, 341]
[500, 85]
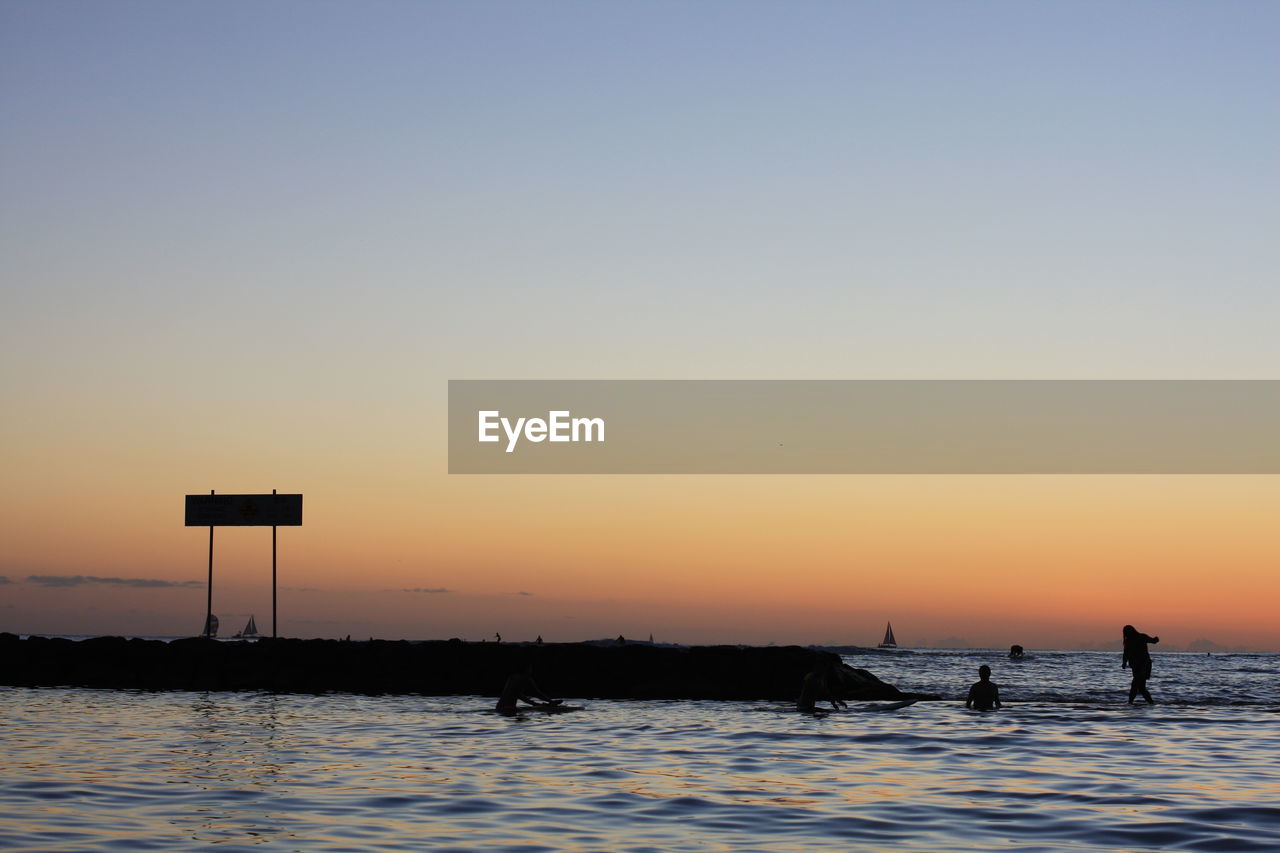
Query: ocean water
[1066, 765]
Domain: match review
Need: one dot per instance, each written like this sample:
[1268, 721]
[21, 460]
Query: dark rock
[579, 670]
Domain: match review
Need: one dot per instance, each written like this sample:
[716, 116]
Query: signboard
[244, 510]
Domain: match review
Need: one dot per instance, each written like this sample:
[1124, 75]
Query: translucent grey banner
[864, 427]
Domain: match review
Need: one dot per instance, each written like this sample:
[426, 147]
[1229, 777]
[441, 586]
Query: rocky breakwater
[578, 670]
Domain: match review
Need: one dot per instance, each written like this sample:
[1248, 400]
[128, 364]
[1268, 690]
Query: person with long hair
[1138, 659]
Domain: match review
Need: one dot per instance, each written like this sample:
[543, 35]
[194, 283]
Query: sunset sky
[244, 246]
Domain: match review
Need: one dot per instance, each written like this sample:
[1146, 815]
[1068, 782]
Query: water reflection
[88, 770]
[229, 747]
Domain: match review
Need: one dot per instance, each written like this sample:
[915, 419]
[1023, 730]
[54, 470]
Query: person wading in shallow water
[1138, 659]
[983, 695]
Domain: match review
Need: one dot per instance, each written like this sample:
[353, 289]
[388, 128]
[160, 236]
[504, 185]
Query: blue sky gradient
[246, 240]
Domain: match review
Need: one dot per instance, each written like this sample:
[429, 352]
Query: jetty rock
[435, 668]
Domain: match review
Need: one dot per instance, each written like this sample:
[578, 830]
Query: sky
[245, 246]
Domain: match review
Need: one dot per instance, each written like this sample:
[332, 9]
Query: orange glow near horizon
[254, 254]
[746, 559]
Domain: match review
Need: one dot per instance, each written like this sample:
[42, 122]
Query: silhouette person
[1015, 652]
[1138, 659]
[820, 684]
[521, 687]
[984, 694]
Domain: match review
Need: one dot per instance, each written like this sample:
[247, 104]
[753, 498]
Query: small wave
[472, 805]
[1237, 815]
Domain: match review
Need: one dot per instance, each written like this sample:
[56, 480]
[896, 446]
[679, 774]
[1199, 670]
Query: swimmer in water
[984, 695]
[819, 684]
[521, 687]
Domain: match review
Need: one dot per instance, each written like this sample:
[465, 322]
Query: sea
[1065, 765]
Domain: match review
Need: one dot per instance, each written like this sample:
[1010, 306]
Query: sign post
[273, 578]
[214, 510]
[208, 610]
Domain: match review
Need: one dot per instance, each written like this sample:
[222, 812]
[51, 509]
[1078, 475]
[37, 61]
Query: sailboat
[211, 626]
[889, 642]
[250, 630]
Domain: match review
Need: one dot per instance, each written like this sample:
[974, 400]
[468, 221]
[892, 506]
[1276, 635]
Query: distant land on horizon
[1200, 644]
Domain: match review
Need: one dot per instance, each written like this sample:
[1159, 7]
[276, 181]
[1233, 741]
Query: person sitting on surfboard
[521, 687]
[984, 694]
[818, 684]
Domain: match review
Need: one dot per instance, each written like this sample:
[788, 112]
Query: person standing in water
[1138, 659]
[983, 695]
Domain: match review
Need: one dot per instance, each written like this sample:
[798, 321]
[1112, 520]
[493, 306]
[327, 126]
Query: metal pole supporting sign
[215, 510]
[273, 578]
[209, 630]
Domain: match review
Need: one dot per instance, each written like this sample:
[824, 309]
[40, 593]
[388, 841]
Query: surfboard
[858, 708]
[892, 706]
[538, 709]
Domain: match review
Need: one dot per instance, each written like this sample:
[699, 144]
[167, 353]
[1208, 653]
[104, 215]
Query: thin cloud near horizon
[66, 581]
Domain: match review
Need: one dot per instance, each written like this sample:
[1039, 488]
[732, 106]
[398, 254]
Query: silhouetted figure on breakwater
[521, 687]
[1138, 659]
[821, 683]
[984, 695]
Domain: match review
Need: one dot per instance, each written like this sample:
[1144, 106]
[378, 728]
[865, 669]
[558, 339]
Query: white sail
[211, 626]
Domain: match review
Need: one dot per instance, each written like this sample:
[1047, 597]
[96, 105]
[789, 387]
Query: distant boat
[250, 630]
[211, 626]
[889, 642]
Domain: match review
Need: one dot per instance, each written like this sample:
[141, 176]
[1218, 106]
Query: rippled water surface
[1064, 767]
